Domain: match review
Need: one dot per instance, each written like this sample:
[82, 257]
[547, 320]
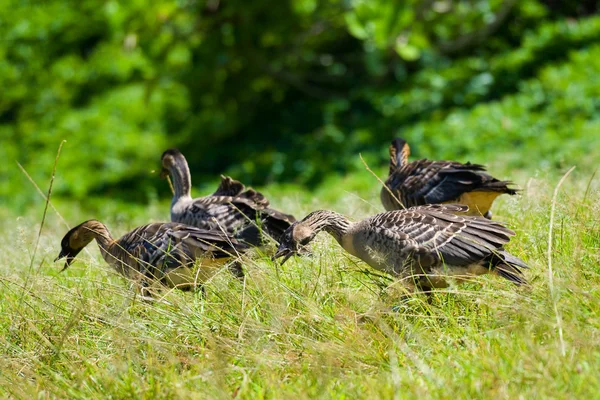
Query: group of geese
[438, 226]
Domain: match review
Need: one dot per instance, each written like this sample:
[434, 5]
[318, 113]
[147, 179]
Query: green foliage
[533, 122]
[279, 91]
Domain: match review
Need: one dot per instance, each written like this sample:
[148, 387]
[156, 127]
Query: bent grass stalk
[563, 349]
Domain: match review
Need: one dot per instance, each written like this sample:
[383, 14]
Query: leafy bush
[553, 121]
[280, 90]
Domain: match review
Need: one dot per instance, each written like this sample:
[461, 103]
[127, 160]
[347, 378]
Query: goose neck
[97, 230]
[337, 225]
[180, 173]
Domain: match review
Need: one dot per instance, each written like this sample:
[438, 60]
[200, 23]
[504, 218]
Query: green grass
[313, 328]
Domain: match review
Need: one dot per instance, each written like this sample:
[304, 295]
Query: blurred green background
[288, 91]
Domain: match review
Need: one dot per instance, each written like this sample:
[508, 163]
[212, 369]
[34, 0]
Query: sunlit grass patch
[319, 326]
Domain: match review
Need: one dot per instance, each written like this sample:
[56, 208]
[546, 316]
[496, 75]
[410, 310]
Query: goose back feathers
[432, 182]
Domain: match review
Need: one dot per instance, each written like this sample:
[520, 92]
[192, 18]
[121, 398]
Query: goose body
[173, 254]
[433, 182]
[231, 208]
[422, 246]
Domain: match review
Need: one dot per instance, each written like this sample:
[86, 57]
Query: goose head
[399, 153]
[294, 241]
[169, 161]
[74, 241]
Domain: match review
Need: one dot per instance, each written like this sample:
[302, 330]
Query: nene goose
[422, 246]
[231, 208]
[431, 182]
[158, 252]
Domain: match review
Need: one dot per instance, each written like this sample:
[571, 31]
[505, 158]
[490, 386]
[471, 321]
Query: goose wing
[237, 210]
[235, 215]
[170, 245]
[433, 232]
[432, 182]
[231, 188]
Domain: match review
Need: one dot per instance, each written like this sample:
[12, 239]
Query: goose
[231, 207]
[432, 182]
[157, 252]
[422, 246]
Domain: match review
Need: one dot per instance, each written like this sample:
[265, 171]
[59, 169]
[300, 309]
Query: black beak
[69, 260]
[62, 254]
[164, 173]
[284, 252]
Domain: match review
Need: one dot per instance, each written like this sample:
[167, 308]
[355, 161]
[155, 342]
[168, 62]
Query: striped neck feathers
[179, 170]
[111, 250]
[80, 236]
[399, 153]
[331, 222]
[90, 230]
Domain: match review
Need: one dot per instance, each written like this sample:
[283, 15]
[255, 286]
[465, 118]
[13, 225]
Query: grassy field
[314, 328]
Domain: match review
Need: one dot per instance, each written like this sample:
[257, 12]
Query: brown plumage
[432, 182]
[173, 254]
[231, 207]
[422, 245]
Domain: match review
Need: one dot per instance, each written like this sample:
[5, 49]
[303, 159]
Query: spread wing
[238, 211]
[231, 188]
[432, 233]
[230, 213]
